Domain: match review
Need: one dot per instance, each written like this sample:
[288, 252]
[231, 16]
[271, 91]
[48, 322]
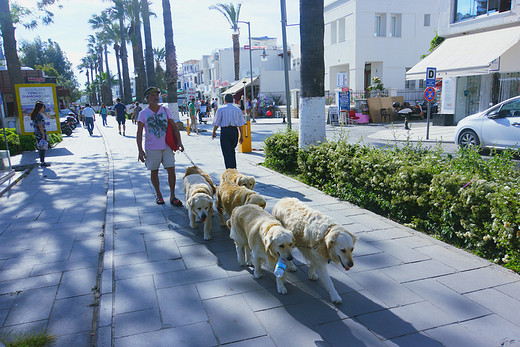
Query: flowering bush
[376, 84]
[462, 199]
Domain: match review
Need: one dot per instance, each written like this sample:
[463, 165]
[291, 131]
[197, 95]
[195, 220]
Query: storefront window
[509, 85]
[467, 9]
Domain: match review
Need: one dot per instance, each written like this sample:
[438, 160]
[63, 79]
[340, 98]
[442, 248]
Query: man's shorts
[121, 120]
[154, 158]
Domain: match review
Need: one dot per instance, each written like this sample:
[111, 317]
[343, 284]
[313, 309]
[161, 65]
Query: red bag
[170, 138]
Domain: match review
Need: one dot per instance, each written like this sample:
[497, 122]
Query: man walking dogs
[155, 120]
[230, 120]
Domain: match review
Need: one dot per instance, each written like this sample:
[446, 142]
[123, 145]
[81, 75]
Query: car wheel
[468, 138]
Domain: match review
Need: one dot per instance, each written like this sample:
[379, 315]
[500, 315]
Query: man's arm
[139, 138]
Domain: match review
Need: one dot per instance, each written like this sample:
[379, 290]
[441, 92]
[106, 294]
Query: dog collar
[269, 227]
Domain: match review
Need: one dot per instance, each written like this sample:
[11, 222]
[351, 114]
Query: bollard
[245, 146]
[406, 127]
[188, 125]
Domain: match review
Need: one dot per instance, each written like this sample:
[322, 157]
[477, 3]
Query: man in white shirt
[90, 117]
[230, 120]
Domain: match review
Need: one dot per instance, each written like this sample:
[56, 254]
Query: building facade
[379, 38]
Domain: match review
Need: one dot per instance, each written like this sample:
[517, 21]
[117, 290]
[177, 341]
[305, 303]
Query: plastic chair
[352, 118]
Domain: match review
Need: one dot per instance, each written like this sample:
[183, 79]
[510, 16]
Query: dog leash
[188, 157]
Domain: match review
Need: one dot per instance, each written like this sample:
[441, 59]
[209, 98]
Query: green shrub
[463, 199]
[20, 143]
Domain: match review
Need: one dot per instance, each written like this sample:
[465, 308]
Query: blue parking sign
[431, 75]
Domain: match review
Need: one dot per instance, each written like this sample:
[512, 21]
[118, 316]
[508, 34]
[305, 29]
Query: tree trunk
[126, 94]
[118, 61]
[109, 101]
[236, 55]
[137, 49]
[171, 60]
[13, 63]
[148, 51]
[312, 73]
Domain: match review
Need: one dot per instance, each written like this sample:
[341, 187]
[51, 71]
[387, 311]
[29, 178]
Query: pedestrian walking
[90, 117]
[135, 112]
[103, 111]
[154, 120]
[193, 118]
[230, 120]
[40, 133]
[120, 109]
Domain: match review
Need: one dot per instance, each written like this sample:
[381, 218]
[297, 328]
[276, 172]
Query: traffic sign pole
[428, 121]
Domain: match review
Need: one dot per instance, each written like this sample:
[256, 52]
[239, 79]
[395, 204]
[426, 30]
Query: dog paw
[282, 290]
[313, 276]
[193, 225]
[336, 299]
[257, 274]
[207, 237]
[291, 267]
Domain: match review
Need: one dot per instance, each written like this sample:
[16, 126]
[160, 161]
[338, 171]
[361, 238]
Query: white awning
[240, 85]
[467, 55]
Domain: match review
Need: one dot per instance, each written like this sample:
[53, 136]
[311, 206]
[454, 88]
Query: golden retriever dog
[199, 199]
[197, 170]
[233, 176]
[318, 238]
[259, 235]
[229, 196]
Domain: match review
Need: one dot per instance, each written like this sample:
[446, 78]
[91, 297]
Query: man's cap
[151, 90]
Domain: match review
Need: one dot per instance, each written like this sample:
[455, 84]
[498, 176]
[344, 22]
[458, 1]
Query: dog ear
[267, 240]
[228, 223]
[189, 202]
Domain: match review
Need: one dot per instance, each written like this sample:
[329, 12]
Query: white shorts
[154, 158]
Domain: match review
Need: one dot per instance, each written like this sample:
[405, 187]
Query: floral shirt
[36, 124]
[155, 125]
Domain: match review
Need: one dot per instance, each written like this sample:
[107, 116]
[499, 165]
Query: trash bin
[443, 119]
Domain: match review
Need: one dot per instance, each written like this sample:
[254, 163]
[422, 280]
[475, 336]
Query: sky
[197, 30]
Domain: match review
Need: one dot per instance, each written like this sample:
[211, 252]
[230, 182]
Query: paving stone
[416, 339]
[86, 248]
[278, 322]
[399, 251]
[121, 260]
[150, 268]
[194, 335]
[447, 300]
[159, 235]
[40, 258]
[80, 339]
[32, 305]
[228, 261]
[499, 303]
[152, 218]
[127, 244]
[126, 299]
[7, 301]
[453, 257]
[385, 288]
[232, 320]
[358, 303]
[72, 315]
[162, 250]
[512, 289]
[418, 271]
[486, 331]
[478, 279]
[268, 298]
[231, 286]
[347, 332]
[263, 341]
[371, 235]
[18, 329]
[181, 306]
[136, 322]
[362, 248]
[3, 316]
[373, 262]
[181, 277]
[77, 282]
[197, 256]
[29, 283]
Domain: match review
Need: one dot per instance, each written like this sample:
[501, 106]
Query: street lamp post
[286, 62]
[250, 63]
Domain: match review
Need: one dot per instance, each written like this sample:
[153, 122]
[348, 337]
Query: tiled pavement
[161, 284]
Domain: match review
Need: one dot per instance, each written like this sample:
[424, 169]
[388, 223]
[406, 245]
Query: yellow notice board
[26, 97]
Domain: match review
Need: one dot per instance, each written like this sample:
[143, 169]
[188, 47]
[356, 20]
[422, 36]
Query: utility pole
[286, 62]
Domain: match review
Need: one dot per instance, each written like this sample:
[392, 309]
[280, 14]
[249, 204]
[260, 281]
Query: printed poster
[27, 95]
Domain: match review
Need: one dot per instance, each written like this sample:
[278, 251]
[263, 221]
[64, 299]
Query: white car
[497, 127]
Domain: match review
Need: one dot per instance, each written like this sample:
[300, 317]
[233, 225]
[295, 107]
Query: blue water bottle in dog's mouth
[280, 267]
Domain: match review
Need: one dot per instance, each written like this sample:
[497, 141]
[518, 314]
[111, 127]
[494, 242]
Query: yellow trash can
[245, 147]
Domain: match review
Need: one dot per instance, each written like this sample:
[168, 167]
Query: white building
[479, 60]
[376, 38]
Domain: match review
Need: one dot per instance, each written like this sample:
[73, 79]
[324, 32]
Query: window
[467, 9]
[380, 25]
[341, 29]
[427, 20]
[395, 25]
[333, 32]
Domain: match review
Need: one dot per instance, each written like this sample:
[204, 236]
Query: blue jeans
[104, 116]
[89, 121]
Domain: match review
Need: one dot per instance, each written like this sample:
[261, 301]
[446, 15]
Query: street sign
[190, 93]
[342, 79]
[429, 94]
[431, 74]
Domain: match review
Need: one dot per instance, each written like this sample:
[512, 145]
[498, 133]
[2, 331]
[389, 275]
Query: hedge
[463, 199]
[21, 143]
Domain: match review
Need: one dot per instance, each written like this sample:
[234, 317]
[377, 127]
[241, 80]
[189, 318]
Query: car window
[511, 109]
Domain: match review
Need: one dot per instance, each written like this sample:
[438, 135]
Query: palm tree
[171, 60]
[160, 56]
[118, 13]
[134, 32]
[312, 73]
[113, 33]
[103, 23]
[232, 13]
[148, 51]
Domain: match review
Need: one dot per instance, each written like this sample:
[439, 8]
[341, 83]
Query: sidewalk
[161, 284]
